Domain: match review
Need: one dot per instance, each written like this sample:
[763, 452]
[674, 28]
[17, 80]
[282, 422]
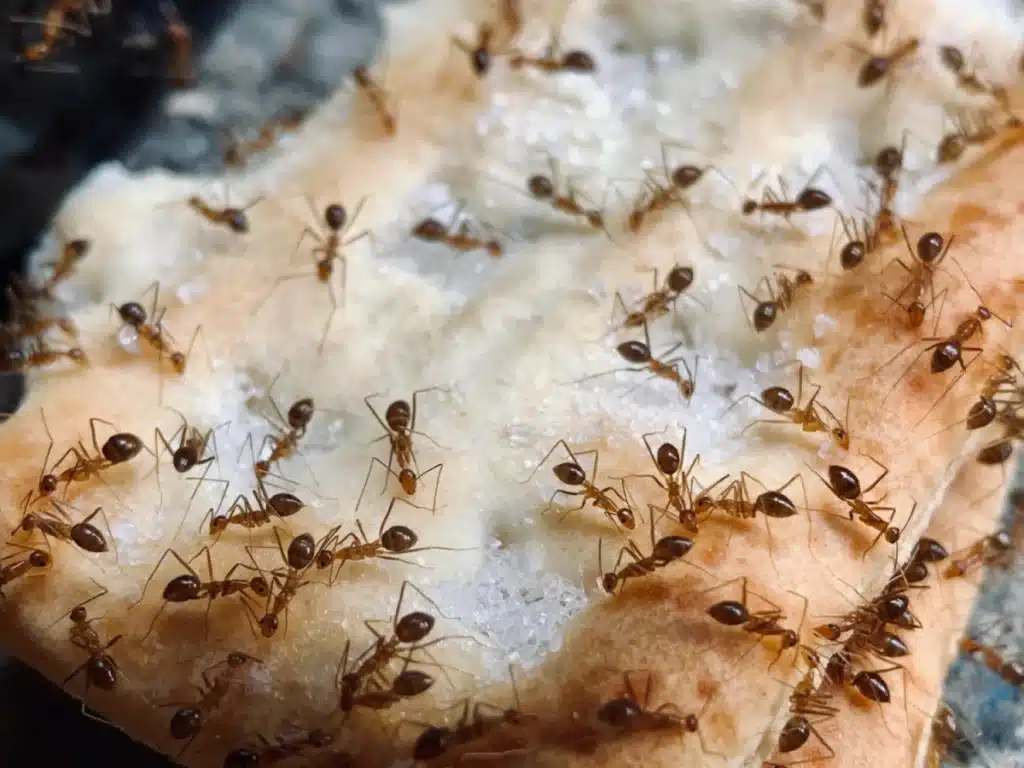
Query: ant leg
[568, 512]
[92, 429]
[547, 456]
[387, 470]
[437, 484]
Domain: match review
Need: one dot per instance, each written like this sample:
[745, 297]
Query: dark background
[104, 96]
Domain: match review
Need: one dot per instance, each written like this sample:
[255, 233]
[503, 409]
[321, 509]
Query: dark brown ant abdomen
[730, 613]
[88, 537]
[619, 713]
[996, 453]
[398, 538]
[812, 199]
[414, 626]
[844, 482]
[121, 447]
[795, 734]
[982, 413]
[775, 505]
[579, 61]
[635, 352]
[186, 723]
[765, 314]
[284, 504]
[301, 551]
[570, 473]
[872, 687]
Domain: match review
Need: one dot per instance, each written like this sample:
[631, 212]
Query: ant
[929, 253]
[187, 722]
[35, 560]
[257, 514]
[119, 448]
[399, 425]
[553, 59]
[808, 199]
[230, 217]
[1011, 671]
[83, 535]
[966, 134]
[456, 235]
[71, 254]
[18, 359]
[659, 300]
[191, 450]
[328, 250]
[100, 668]
[299, 557]
[626, 715]
[638, 353]
[238, 152]
[861, 240]
[730, 613]
[664, 551]
[134, 315]
[888, 164]
[668, 461]
[876, 67]
[735, 501]
[55, 23]
[181, 68]
[572, 474]
[377, 97]
[766, 312]
[994, 548]
[482, 53]
[873, 16]
[545, 188]
[188, 587]
[660, 194]
[290, 430]
[780, 401]
[396, 540]
[281, 749]
[845, 485]
[808, 708]
[969, 82]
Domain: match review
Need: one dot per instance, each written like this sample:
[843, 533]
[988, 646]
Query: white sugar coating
[524, 342]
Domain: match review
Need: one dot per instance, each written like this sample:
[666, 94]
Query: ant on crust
[153, 332]
[229, 217]
[660, 300]
[877, 66]
[929, 253]
[809, 199]
[378, 98]
[781, 299]
[554, 59]
[666, 550]
[456, 234]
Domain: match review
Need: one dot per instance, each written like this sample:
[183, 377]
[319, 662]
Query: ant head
[888, 161]
[78, 614]
[77, 249]
[218, 523]
[398, 538]
[77, 354]
[892, 534]
[690, 723]
[430, 229]
[237, 659]
[183, 460]
[841, 437]
[952, 57]
[335, 216]
[595, 219]
[764, 315]
[178, 362]
[481, 60]
[570, 473]
[259, 586]
[494, 249]
[679, 279]
[541, 187]
[268, 625]
[984, 313]
[262, 467]
[789, 639]
[324, 559]
[236, 220]
[301, 413]
[407, 479]
[915, 314]
[132, 313]
[414, 626]
[578, 61]
[873, 70]
[951, 148]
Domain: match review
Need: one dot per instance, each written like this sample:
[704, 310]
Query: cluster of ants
[369, 680]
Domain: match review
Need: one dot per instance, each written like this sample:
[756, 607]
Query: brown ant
[230, 217]
[730, 613]
[259, 513]
[191, 450]
[119, 448]
[134, 315]
[189, 587]
[781, 299]
[481, 54]
[1011, 671]
[554, 59]
[71, 254]
[289, 430]
[55, 23]
[872, 17]
[328, 250]
[966, 133]
[780, 401]
[399, 425]
[876, 67]
[18, 358]
[969, 82]
[238, 152]
[572, 474]
[988, 550]
[660, 300]
[888, 164]
[83, 535]
[626, 715]
[660, 194]
[34, 560]
[545, 188]
[664, 551]
[808, 708]
[182, 69]
[187, 722]
[100, 668]
[639, 353]
[931, 250]
[808, 199]
[299, 558]
[668, 461]
[845, 485]
[456, 235]
[378, 98]
[389, 544]
[281, 749]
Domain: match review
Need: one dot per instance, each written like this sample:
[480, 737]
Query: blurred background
[173, 85]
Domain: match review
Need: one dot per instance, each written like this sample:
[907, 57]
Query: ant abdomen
[570, 473]
[635, 352]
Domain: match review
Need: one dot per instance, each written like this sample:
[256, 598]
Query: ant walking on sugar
[926, 259]
[660, 193]
[660, 300]
[877, 66]
[229, 217]
[456, 235]
[781, 298]
[810, 198]
[554, 59]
